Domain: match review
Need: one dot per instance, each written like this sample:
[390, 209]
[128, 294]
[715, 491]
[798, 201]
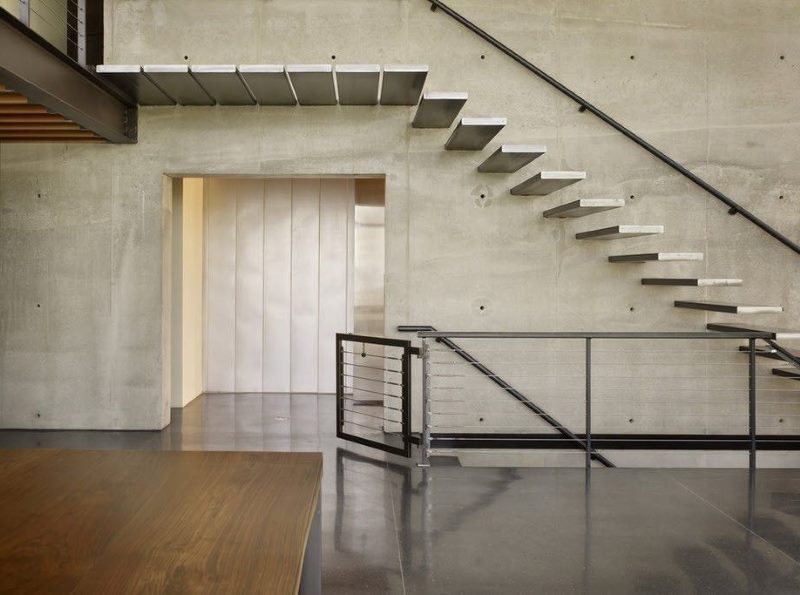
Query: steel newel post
[25, 12]
[588, 403]
[339, 384]
[425, 446]
[752, 415]
[81, 41]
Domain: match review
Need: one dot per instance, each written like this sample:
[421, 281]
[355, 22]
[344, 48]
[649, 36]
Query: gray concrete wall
[81, 226]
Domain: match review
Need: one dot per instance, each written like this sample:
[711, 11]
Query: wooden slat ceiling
[24, 122]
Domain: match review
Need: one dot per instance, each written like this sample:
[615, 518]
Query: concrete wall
[81, 226]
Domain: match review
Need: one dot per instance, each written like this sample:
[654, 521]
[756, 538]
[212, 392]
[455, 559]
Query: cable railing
[603, 391]
[734, 208]
[62, 23]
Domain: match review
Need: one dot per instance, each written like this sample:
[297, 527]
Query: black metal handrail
[735, 208]
[478, 366]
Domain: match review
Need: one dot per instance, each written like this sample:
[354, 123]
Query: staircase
[442, 109]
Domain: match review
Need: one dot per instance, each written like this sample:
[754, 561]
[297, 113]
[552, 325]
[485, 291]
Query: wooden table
[158, 521]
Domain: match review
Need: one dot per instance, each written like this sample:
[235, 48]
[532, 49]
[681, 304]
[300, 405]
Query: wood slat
[51, 140]
[13, 99]
[39, 127]
[22, 109]
[31, 118]
[71, 133]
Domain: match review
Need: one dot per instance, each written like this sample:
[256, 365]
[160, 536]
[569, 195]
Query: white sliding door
[279, 282]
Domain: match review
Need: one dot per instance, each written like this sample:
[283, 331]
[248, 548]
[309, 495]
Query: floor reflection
[391, 527]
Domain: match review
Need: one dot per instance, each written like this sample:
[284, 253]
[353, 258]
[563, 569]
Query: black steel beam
[616, 441]
[33, 67]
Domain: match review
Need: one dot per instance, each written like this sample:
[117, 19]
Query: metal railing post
[752, 399]
[425, 444]
[25, 12]
[81, 41]
[588, 402]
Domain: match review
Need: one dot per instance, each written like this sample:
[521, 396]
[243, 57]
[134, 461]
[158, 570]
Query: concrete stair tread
[777, 334]
[692, 282]
[402, 83]
[658, 257]
[510, 158]
[728, 308]
[768, 353]
[620, 231]
[793, 373]
[546, 182]
[358, 83]
[583, 207]
[473, 134]
[439, 109]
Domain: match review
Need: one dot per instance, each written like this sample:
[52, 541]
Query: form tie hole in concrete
[38, 305]
[633, 57]
[38, 414]
[632, 309]
[630, 420]
[483, 307]
[483, 57]
[333, 57]
[783, 57]
[780, 197]
[632, 197]
[186, 57]
[480, 419]
[780, 421]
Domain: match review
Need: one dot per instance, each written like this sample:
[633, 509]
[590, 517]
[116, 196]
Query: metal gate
[373, 392]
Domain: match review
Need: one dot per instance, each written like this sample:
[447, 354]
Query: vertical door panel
[277, 285]
[336, 200]
[220, 340]
[305, 284]
[249, 283]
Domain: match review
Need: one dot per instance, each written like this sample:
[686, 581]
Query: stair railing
[734, 208]
[496, 379]
[606, 383]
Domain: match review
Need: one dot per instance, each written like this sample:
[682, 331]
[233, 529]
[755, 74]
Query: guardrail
[610, 390]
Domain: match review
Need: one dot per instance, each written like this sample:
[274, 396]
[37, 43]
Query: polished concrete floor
[390, 527]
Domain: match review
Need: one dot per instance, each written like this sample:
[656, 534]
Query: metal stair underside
[583, 207]
[510, 158]
[546, 182]
[694, 282]
[473, 134]
[620, 231]
[658, 257]
[439, 109]
[775, 334]
[728, 308]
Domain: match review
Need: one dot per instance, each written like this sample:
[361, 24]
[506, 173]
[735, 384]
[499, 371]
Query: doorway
[286, 263]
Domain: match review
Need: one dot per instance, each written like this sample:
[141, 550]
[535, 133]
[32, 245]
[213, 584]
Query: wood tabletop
[155, 521]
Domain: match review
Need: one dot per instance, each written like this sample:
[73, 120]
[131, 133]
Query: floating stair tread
[510, 158]
[439, 109]
[728, 308]
[358, 83]
[776, 334]
[658, 257]
[767, 352]
[223, 83]
[546, 182]
[697, 282]
[130, 78]
[176, 81]
[583, 207]
[403, 83]
[620, 231]
[473, 134]
[269, 83]
[793, 373]
[313, 83]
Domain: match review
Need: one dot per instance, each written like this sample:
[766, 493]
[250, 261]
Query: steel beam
[31, 66]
